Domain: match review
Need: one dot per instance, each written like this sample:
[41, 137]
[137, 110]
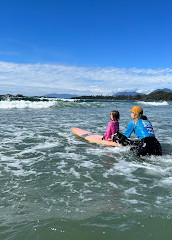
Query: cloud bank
[40, 79]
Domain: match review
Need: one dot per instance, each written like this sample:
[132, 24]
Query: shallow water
[55, 185]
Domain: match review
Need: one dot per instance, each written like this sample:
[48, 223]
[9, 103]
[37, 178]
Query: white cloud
[39, 79]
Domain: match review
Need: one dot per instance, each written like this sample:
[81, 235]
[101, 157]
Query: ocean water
[55, 185]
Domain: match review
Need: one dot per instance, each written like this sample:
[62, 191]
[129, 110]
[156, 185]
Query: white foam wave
[15, 166]
[75, 173]
[26, 104]
[69, 100]
[113, 185]
[164, 103]
[167, 181]
[47, 103]
[62, 99]
[131, 191]
[88, 164]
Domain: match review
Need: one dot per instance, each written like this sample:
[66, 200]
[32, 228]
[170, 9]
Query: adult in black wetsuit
[148, 144]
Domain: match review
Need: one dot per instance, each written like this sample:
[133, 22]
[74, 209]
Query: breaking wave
[25, 104]
[63, 103]
[48, 103]
[164, 103]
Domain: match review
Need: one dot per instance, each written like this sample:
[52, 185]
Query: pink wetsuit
[112, 128]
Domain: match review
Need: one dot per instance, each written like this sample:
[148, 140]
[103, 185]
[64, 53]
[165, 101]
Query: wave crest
[164, 103]
[25, 104]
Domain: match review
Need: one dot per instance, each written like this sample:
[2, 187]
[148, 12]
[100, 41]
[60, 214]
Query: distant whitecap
[164, 103]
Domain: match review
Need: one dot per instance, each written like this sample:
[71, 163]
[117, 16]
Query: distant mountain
[127, 93]
[163, 90]
[55, 95]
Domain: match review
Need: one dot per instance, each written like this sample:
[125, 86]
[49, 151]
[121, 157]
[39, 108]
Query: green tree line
[155, 96]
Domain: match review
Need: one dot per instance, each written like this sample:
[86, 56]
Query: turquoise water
[55, 185]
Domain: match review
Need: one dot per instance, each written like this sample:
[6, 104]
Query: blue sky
[85, 46]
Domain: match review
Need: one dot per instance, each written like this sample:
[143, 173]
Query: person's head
[114, 115]
[136, 112]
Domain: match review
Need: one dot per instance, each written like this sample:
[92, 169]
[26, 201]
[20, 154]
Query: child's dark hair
[115, 115]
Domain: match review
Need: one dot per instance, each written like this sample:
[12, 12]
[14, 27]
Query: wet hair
[143, 117]
[115, 115]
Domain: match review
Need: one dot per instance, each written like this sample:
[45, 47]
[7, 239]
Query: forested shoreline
[155, 96]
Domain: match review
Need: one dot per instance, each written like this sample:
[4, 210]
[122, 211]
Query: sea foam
[164, 103]
[26, 104]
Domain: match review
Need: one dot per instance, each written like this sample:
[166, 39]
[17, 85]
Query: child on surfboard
[147, 144]
[113, 125]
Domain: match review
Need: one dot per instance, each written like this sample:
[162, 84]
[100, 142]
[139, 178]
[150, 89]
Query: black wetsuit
[148, 144]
